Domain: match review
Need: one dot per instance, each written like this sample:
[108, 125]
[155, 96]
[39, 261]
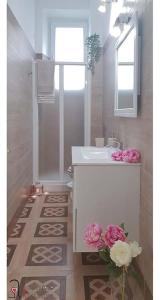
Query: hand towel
[45, 77]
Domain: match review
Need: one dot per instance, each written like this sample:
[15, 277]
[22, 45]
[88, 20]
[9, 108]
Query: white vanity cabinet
[104, 192]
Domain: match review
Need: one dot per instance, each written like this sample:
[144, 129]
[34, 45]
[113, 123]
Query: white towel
[45, 77]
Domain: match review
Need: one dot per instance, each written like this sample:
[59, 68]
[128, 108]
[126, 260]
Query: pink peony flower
[92, 236]
[131, 156]
[114, 233]
[117, 155]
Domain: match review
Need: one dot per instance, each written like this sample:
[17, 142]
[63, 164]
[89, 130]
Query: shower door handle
[75, 228]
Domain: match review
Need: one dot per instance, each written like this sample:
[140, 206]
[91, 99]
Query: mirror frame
[129, 112]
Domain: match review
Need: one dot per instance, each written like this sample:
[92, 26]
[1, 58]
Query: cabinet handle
[75, 234]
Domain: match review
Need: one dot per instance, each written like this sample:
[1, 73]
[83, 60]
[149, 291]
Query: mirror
[127, 71]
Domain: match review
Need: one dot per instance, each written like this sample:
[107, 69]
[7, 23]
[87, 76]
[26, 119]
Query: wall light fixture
[122, 21]
[103, 5]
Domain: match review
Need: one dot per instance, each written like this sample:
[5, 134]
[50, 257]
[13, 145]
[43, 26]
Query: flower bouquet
[114, 249]
[128, 155]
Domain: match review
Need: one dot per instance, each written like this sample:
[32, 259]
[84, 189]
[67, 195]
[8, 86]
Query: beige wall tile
[97, 102]
[19, 115]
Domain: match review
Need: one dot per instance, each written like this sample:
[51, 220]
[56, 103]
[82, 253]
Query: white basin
[97, 153]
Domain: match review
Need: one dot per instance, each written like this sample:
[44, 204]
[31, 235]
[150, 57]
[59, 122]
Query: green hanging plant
[93, 51]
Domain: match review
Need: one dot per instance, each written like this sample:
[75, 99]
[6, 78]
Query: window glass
[69, 44]
[74, 78]
[125, 77]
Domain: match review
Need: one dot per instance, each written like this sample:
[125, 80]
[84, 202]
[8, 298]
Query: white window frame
[53, 24]
[82, 23]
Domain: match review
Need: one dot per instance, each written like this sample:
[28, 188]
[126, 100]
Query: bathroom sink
[96, 153]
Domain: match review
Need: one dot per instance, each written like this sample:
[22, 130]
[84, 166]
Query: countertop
[78, 157]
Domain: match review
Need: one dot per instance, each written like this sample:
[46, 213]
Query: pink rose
[117, 155]
[131, 156]
[114, 233]
[92, 236]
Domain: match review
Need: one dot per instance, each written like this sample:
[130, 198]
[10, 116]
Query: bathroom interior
[79, 146]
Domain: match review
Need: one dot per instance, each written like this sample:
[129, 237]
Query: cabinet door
[105, 195]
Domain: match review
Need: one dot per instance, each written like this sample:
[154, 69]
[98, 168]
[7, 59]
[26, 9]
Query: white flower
[135, 249]
[121, 254]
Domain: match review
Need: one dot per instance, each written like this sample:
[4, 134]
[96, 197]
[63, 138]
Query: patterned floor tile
[43, 288]
[54, 212]
[100, 288]
[51, 229]
[48, 260]
[10, 251]
[92, 258]
[56, 198]
[17, 230]
[25, 213]
[47, 255]
[30, 200]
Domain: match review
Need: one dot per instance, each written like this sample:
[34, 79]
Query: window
[69, 48]
[74, 78]
[69, 44]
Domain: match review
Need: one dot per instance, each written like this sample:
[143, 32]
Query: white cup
[99, 142]
[113, 142]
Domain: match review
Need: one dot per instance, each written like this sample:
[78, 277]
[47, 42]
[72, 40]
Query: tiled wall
[136, 132]
[97, 102]
[19, 114]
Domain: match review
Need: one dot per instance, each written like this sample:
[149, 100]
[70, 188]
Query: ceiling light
[102, 8]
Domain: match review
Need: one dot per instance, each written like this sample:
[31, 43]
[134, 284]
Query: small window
[69, 44]
[74, 78]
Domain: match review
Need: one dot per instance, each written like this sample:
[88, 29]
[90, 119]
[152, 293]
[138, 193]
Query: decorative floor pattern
[47, 255]
[54, 212]
[47, 288]
[10, 252]
[51, 229]
[41, 258]
[92, 258]
[25, 213]
[17, 230]
[56, 198]
[30, 200]
[100, 288]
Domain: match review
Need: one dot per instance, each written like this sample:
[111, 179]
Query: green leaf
[122, 226]
[105, 255]
[94, 51]
[113, 271]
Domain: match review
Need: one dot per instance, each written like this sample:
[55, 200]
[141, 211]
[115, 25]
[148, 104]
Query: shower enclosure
[65, 121]
[60, 124]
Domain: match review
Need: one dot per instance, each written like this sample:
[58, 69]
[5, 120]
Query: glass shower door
[49, 139]
[61, 123]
